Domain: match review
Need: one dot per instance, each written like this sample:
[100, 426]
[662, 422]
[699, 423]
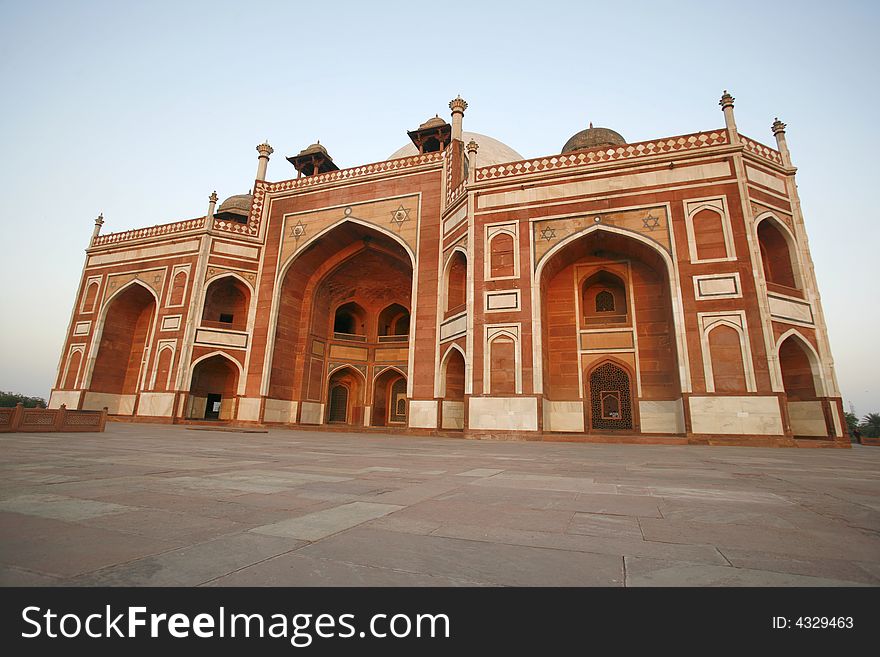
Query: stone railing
[354, 172]
[628, 151]
[50, 419]
[759, 149]
[151, 231]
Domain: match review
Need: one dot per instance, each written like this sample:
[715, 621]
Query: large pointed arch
[406, 258]
[674, 290]
[86, 380]
[812, 357]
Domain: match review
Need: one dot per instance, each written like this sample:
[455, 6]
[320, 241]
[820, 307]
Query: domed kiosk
[235, 208]
[492, 151]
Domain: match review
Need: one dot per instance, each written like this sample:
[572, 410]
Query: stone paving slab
[655, 572]
[494, 563]
[330, 521]
[150, 505]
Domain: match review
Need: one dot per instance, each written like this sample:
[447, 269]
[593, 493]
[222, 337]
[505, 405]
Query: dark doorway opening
[212, 407]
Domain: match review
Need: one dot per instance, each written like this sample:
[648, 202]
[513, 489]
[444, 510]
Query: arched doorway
[123, 348]
[213, 389]
[345, 396]
[804, 388]
[343, 303]
[609, 335]
[610, 398]
[452, 371]
[389, 399]
[798, 376]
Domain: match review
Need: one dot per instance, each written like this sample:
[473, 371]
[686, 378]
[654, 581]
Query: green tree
[8, 399]
[871, 425]
[852, 421]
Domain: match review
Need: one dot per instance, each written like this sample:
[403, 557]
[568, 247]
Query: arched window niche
[349, 322]
[603, 299]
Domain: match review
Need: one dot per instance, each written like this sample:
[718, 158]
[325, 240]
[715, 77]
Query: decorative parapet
[354, 172]
[452, 195]
[252, 227]
[597, 156]
[762, 151]
[151, 231]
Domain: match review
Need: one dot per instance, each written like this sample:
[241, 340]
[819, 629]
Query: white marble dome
[491, 150]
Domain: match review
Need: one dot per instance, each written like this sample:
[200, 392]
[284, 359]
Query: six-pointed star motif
[400, 215]
[548, 233]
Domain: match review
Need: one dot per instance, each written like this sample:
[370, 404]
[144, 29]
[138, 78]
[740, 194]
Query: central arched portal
[343, 326]
[608, 334]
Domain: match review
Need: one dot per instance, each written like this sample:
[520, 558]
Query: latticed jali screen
[610, 399]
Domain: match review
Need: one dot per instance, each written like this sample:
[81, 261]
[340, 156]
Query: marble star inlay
[548, 233]
[651, 222]
[298, 230]
[400, 215]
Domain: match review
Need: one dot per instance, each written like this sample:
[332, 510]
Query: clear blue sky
[140, 110]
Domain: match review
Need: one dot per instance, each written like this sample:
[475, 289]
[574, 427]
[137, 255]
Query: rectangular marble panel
[783, 308]
[143, 252]
[453, 327]
[170, 323]
[221, 338]
[736, 415]
[156, 404]
[807, 418]
[249, 409]
[510, 413]
[717, 286]
[506, 300]
[661, 416]
[69, 398]
[563, 416]
[280, 410]
[605, 184]
[116, 404]
[82, 328]
[311, 413]
[763, 178]
[240, 250]
[457, 217]
[423, 414]
[453, 415]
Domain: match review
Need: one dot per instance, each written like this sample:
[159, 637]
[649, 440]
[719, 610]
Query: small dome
[433, 122]
[593, 138]
[314, 148]
[238, 204]
[491, 150]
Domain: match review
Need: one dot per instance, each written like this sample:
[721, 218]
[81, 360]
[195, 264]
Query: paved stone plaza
[161, 505]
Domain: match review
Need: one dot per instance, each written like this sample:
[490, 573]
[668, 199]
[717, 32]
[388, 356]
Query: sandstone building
[662, 288]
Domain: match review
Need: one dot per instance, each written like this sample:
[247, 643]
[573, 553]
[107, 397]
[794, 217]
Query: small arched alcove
[227, 300]
[393, 323]
[603, 299]
[778, 254]
[349, 320]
